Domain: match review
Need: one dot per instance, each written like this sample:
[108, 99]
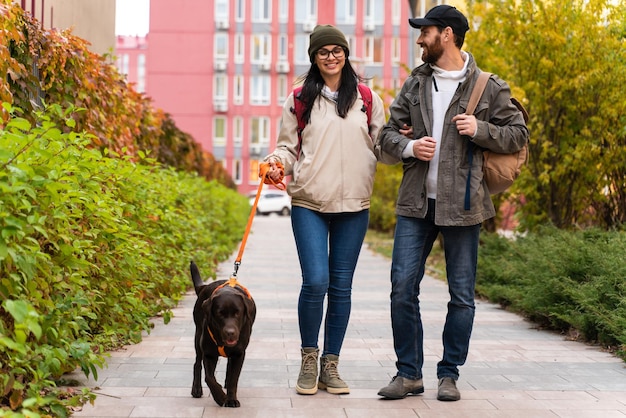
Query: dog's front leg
[196, 386]
[210, 363]
[233, 370]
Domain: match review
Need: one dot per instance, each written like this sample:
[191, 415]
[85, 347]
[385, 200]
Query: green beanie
[326, 35]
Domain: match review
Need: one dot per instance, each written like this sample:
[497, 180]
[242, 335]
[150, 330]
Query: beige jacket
[335, 170]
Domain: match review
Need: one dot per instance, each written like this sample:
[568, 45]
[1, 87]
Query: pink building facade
[223, 68]
[131, 54]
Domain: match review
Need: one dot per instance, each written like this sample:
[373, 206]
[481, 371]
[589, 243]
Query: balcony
[282, 67]
[220, 106]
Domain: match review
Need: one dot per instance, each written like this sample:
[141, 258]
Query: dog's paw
[219, 399]
[196, 392]
[232, 403]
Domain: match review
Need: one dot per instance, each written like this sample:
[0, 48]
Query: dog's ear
[250, 310]
[207, 306]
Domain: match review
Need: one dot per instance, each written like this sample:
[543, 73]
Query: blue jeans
[328, 248]
[413, 241]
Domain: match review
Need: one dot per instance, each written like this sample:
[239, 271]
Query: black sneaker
[447, 390]
[400, 387]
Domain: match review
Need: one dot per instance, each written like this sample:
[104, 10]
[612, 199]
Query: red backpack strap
[298, 110]
[366, 94]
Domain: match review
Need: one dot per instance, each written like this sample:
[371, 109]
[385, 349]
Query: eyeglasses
[337, 52]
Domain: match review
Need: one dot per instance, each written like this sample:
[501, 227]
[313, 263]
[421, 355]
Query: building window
[354, 57]
[123, 63]
[237, 171]
[220, 90]
[261, 48]
[219, 131]
[396, 12]
[221, 45]
[374, 11]
[238, 89]
[141, 73]
[301, 49]
[240, 10]
[261, 10]
[373, 50]
[240, 48]
[283, 11]
[345, 11]
[259, 131]
[282, 90]
[221, 10]
[306, 11]
[253, 177]
[395, 50]
[378, 50]
[283, 45]
[237, 130]
[260, 90]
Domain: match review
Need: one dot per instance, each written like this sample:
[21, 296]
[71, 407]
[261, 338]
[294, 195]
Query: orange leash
[264, 169]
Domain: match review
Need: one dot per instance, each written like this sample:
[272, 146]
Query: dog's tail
[195, 276]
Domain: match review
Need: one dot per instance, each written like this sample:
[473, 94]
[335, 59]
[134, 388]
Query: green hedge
[567, 281]
[91, 247]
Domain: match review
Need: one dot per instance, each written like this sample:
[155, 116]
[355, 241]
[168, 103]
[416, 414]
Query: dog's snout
[231, 335]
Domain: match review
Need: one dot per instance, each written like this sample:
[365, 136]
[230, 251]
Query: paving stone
[514, 370]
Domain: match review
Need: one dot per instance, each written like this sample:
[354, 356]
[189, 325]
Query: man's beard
[433, 52]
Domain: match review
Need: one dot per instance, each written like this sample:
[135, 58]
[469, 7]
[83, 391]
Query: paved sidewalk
[513, 369]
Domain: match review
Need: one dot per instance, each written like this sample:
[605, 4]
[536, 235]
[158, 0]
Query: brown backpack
[499, 170]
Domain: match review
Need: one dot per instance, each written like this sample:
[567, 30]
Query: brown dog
[223, 315]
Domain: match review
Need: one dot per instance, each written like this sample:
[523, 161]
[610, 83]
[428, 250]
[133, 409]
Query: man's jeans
[328, 248]
[413, 241]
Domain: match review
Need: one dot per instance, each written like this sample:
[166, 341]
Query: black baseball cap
[443, 15]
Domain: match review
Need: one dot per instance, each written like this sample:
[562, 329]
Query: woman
[332, 168]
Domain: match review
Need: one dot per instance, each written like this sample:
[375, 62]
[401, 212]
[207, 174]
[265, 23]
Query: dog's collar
[220, 348]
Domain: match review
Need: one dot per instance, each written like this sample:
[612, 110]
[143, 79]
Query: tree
[566, 61]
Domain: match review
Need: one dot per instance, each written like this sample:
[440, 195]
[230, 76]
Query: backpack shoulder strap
[479, 88]
[521, 108]
[366, 94]
[298, 110]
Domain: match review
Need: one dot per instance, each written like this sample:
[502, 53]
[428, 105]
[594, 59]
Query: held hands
[407, 131]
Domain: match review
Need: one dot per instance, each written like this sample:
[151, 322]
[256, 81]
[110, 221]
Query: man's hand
[424, 148]
[466, 124]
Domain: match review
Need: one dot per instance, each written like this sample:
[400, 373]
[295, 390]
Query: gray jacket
[501, 128]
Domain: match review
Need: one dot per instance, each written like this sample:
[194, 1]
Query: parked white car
[272, 201]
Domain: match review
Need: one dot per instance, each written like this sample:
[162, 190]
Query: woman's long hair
[313, 84]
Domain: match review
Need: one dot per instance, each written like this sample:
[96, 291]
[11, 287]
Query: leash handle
[264, 169]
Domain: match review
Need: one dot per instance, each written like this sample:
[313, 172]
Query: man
[442, 191]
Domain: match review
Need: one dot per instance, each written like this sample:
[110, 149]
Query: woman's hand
[276, 171]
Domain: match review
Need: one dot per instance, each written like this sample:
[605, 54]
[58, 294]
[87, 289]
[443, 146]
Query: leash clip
[237, 264]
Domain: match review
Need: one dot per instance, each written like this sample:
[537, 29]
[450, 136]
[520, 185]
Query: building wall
[186, 67]
[131, 55]
[92, 20]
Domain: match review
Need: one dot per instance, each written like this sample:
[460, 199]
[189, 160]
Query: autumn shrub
[92, 245]
[573, 282]
[40, 66]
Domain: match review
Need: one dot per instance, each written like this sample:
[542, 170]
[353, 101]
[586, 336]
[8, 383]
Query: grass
[382, 243]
